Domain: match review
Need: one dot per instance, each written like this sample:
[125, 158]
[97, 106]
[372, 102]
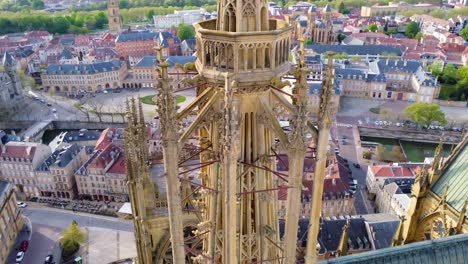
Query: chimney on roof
[28, 150]
[396, 62]
[334, 181]
[386, 63]
[2, 146]
[405, 62]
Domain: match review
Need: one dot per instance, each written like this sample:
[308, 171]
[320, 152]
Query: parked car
[343, 136]
[49, 259]
[19, 257]
[343, 142]
[54, 110]
[49, 104]
[43, 101]
[24, 245]
[356, 165]
[21, 204]
[106, 92]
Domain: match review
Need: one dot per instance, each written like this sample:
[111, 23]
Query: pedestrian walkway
[105, 245]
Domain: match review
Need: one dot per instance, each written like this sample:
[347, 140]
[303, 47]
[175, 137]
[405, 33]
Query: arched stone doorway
[107, 86]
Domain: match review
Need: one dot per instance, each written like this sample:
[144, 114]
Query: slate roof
[403, 184]
[60, 158]
[135, 36]
[172, 60]
[190, 42]
[382, 232]
[327, 8]
[354, 49]
[330, 233]
[70, 69]
[398, 65]
[456, 177]
[452, 249]
[146, 61]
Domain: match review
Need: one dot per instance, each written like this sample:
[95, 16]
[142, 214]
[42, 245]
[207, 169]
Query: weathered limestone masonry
[240, 56]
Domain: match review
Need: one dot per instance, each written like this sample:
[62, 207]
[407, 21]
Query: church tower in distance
[113, 14]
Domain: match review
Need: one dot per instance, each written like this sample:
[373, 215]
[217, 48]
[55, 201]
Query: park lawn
[446, 90]
[149, 99]
[418, 151]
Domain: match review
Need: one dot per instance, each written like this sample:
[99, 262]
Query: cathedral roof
[455, 176]
[451, 249]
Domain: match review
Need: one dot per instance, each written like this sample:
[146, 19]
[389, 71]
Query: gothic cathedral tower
[113, 14]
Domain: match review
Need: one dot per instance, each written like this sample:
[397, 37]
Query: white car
[106, 92]
[22, 205]
[19, 257]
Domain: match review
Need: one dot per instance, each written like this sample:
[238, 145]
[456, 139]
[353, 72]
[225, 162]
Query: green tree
[372, 28]
[436, 68]
[464, 33]
[308, 42]
[72, 238]
[340, 37]
[37, 4]
[185, 32]
[449, 74]
[424, 114]
[123, 4]
[411, 29]
[462, 72]
[150, 14]
[419, 36]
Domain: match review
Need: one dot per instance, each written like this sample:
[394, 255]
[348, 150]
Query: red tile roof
[105, 138]
[119, 166]
[390, 171]
[105, 157]
[25, 151]
[335, 184]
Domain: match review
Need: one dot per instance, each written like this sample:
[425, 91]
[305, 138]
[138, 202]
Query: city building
[361, 233]
[179, 17]
[389, 79]
[378, 174]
[113, 16]
[57, 171]
[322, 31]
[11, 220]
[135, 44]
[17, 163]
[92, 179]
[391, 199]
[80, 78]
[394, 7]
[11, 91]
[338, 198]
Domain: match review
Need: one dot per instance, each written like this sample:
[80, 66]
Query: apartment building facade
[11, 220]
[75, 78]
[17, 163]
[55, 176]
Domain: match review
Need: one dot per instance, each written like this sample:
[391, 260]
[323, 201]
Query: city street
[350, 152]
[109, 239]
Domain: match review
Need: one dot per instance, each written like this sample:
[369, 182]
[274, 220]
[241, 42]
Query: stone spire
[343, 244]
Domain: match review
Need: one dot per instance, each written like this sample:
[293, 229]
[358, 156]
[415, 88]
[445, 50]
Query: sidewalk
[105, 246]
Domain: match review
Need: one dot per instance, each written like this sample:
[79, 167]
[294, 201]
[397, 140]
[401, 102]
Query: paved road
[349, 151]
[48, 223]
